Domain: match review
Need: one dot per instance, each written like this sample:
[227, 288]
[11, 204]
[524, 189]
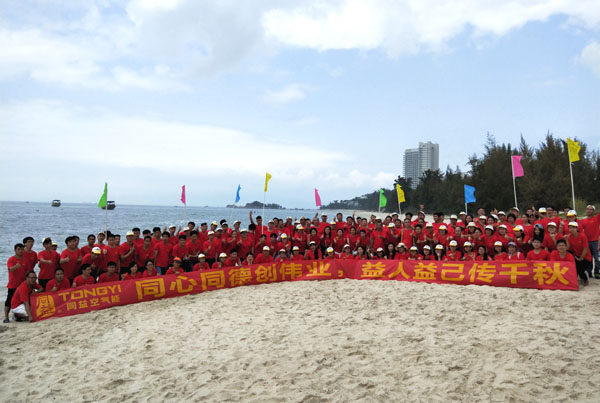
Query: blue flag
[469, 194]
[237, 196]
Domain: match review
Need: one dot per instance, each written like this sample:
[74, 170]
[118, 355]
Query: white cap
[379, 249]
[468, 244]
[573, 224]
[237, 222]
[424, 247]
[518, 228]
[482, 217]
[453, 217]
[495, 216]
[219, 229]
[330, 249]
[201, 255]
[443, 227]
[299, 227]
[96, 250]
[172, 226]
[497, 243]
[214, 223]
[284, 235]
[283, 250]
[502, 226]
[571, 213]
[266, 248]
[223, 254]
[210, 233]
[439, 246]
[401, 245]
[453, 243]
[346, 246]
[471, 224]
[462, 213]
[429, 225]
[243, 230]
[515, 208]
[295, 248]
[542, 210]
[501, 213]
[129, 233]
[552, 223]
[489, 227]
[312, 243]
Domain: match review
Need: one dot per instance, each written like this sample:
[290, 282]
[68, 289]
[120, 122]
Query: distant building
[419, 160]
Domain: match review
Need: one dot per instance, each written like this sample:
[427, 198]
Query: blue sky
[149, 95]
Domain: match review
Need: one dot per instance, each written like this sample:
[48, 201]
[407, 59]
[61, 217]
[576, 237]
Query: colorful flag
[237, 195]
[382, 199]
[102, 201]
[267, 179]
[517, 168]
[574, 148]
[317, 198]
[400, 192]
[470, 194]
[183, 194]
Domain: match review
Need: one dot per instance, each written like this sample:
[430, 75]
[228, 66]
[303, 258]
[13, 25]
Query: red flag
[317, 198]
[183, 194]
[517, 168]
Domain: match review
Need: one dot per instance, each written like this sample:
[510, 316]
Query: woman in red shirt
[499, 251]
[427, 253]
[133, 273]
[469, 255]
[360, 253]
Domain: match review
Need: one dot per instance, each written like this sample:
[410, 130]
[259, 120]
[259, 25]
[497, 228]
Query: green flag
[382, 199]
[102, 202]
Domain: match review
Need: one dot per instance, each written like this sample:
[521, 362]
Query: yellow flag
[267, 179]
[574, 148]
[401, 198]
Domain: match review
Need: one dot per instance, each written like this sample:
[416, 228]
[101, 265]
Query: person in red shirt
[413, 252]
[194, 247]
[48, 262]
[299, 239]
[163, 253]
[127, 253]
[453, 254]
[551, 236]
[111, 251]
[212, 247]
[313, 252]
[91, 239]
[70, 258]
[201, 265]
[468, 255]
[482, 253]
[578, 245]
[538, 253]
[513, 253]
[133, 274]
[29, 254]
[499, 251]
[249, 260]
[560, 254]
[20, 300]
[427, 255]
[176, 268]
[330, 254]
[282, 256]
[244, 244]
[85, 278]
[17, 266]
[591, 229]
[59, 282]
[347, 253]
[233, 259]
[95, 260]
[401, 252]
[221, 263]
[265, 256]
[110, 274]
[378, 236]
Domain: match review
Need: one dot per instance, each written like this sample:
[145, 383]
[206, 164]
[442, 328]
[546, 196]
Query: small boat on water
[55, 203]
[110, 205]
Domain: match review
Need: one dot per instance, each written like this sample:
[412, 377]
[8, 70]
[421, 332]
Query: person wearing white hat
[453, 254]
[347, 253]
[264, 256]
[221, 263]
[300, 239]
[282, 256]
[201, 265]
[127, 253]
[551, 236]
[578, 246]
[413, 253]
[439, 252]
[591, 228]
[329, 254]
[537, 253]
[499, 253]
[469, 254]
[296, 255]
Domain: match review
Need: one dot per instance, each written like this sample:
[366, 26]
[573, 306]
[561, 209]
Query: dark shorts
[11, 292]
[43, 282]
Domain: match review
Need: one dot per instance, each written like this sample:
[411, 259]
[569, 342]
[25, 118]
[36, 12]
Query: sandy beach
[337, 340]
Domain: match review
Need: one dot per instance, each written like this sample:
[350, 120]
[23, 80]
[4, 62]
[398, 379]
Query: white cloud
[590, 56]
[407, 26]
[289, 93]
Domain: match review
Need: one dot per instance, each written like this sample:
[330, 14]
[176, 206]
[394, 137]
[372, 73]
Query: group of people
[536, 234]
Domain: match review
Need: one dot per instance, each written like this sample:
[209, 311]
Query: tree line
[546, 182]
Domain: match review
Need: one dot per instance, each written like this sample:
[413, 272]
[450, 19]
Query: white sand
[311, 341]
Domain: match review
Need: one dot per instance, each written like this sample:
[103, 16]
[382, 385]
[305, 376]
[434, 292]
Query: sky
[149, 95]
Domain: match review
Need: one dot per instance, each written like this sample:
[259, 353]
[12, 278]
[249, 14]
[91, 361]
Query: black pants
[582, 269]
[43, 282]
[11, 292]
[187, 265]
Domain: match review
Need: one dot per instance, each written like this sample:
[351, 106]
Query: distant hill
[259, 205]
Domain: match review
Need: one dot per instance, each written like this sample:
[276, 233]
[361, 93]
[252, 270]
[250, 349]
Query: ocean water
[40, 220]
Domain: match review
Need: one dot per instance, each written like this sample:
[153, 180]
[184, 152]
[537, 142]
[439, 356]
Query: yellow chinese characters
[319, 269]
[425, 271]
[399, 271]
[44, 306]
[545, 274]
[482, 272]
[153, 287]
[266, 274]
[372, 270]
[214, 279]
[183, 285]
[514, 271]
[453, 271]
[290, 271]
[239, 276]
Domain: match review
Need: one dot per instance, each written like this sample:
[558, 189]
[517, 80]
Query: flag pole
[263, 213]
[572, 185]
[467, 211]
[512, 165]
[106, 217]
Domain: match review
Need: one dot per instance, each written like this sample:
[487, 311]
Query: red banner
[520, 274]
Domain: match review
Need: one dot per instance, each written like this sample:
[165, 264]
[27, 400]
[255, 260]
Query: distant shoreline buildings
[418, 160]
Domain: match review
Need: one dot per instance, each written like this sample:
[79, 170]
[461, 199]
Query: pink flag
[317, 198]
[183, 194]
[516, 166]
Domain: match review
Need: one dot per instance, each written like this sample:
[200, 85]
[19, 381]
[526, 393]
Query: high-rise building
[419, 160]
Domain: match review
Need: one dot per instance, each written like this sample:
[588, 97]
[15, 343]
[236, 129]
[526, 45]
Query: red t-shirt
[79, 280]
[555, 256]
[105, 279]
[164, 255]
[85, 250]
[543, 255]
[577, 244]
[97, 263]
[549, 243]
[262, 259]
[111, 254]
[147, 274]
[123, 250]
[141, 255]
[378, 238]
[171, 271]
[47, 269]
[16, 277]
[71, 267]
[62, 286]
[129, 276]
[31, 258]
[591, 227]
[22, 294]
[194, 248]
[198, 266]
